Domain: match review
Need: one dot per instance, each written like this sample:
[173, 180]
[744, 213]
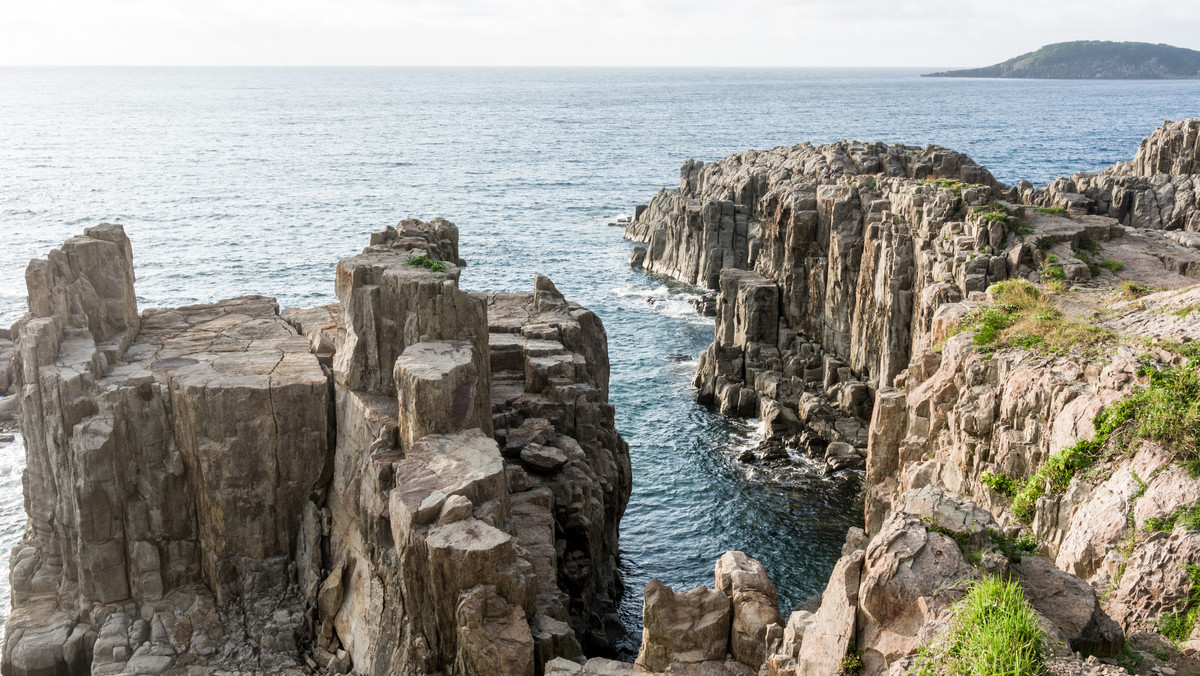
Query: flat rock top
[235, 342]
[432, 360]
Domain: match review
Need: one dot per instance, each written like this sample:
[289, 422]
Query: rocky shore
[413, 480]
[897, 310]
[420, 480]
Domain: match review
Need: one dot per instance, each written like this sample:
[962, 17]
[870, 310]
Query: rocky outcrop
[841, 329]
[352, 489]
[712, 221]
[1159, 189]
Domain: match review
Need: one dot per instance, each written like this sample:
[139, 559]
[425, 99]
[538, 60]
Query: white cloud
[570, 32]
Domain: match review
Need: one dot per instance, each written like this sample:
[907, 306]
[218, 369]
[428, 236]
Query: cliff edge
[414, 480]
[1013, 369]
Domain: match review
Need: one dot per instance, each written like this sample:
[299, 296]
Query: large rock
[834, 626]
[212, 486]
[755, 606]
[442, 387]
[683, 628]
[1070, 606]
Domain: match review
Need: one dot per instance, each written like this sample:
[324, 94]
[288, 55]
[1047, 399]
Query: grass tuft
[1022, 316]
[994, 631]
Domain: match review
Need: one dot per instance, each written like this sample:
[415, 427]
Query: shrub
[999, 483]
[427, 263]
[994, 631]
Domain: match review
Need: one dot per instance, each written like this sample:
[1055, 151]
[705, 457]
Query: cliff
[1093, 59]
[1016, 380]
[414, 480]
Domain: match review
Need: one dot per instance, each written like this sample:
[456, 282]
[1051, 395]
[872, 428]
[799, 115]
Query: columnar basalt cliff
[956, 339]
[414, 480]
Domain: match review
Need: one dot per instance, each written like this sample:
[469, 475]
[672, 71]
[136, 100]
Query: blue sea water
[235, 181]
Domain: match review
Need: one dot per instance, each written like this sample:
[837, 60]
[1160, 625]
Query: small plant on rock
[994, 631]
[427, 263]
[1178, 626]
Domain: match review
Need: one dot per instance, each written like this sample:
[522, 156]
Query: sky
[805, 33]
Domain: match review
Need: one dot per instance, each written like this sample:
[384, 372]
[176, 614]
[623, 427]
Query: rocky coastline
[853, 282]
[413, 480]
[421, 480]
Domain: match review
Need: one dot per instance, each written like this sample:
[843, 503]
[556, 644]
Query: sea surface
[237, 181]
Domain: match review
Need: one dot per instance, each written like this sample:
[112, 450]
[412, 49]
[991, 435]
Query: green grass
[1112, 266]
[427, 263]
[1166, 410]
[1022, 316]
[1185, 311]
[1052, 211]
[1131, 290]
[994, 632]
[1178, 626]
[956, 186]
[1187, 516]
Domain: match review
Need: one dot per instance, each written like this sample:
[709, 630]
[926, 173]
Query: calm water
[234, 181]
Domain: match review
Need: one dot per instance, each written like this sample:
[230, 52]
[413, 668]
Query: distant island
[1093, 59]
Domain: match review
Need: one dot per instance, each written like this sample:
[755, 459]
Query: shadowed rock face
[218, 488]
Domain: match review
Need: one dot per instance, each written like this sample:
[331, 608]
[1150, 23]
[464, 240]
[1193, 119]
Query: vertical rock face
[385, 491]
[149, 440]
[472, 515]
[841, 331]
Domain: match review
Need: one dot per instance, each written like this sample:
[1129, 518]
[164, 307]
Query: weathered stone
[683, 628]
[442, 387]
[1069, 604]
[755, 606]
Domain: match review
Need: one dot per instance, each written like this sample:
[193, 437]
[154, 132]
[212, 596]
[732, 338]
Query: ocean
[244, 180]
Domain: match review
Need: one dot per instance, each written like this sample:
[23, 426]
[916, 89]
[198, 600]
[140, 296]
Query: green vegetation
[1094, 59]
[1001, 484]
[994, 631]
[974, 544]
[427, 263]
[1185, 311]
[1166, 410]
[1112, 266]
[1023, 316]
[956, 186]
[1188, 516]
[1053, 211]
[1131, 290]
[1178, 626]
[851, 664]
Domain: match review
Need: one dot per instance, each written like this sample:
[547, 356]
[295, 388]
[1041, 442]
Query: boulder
[755, 606]
[1070, 606]
[442, 387]
[683, 628]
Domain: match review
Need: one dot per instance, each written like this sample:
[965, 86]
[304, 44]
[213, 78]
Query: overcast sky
[572, 32]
